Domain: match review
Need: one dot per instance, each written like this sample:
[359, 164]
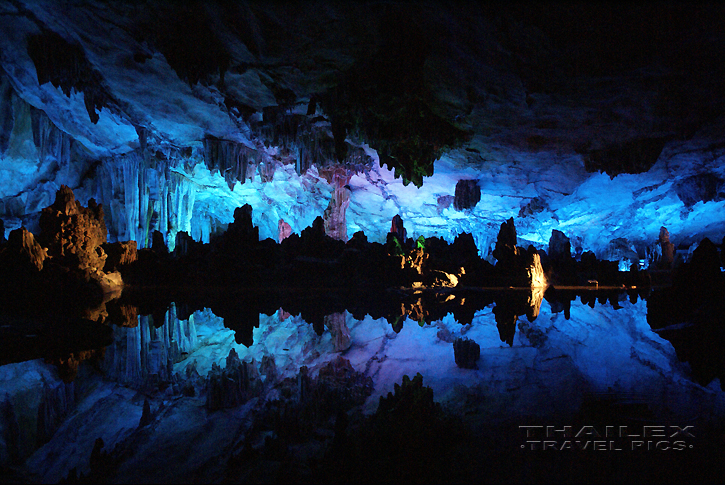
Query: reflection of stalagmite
[505, 322]
[535, 272]
[340, 333]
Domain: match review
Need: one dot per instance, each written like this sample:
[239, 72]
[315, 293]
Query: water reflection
[152, 330]
[186, 359]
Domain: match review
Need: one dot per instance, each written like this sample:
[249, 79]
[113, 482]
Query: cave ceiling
[613, 83]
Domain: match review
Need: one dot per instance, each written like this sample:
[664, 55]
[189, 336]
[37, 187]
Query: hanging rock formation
[468, 194]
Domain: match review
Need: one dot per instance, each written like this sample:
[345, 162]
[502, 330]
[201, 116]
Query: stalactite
[229, 158]
[65, 66]
[56, 403]
[50, 141]
[308, 140]
[7, 113]
[142, 196]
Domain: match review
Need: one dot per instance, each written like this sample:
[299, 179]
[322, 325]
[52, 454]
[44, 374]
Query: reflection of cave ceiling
[611, 88]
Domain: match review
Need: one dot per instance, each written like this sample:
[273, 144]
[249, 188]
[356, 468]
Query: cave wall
[172, 116]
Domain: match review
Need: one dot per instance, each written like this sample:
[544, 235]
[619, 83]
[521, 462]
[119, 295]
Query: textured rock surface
[73, 234]
[233, 385]
[667, 248]
[604, 122]
[466, 352]
[334, 215]
[171, 128]
[559, 245]
[119, 254]
[284, 230]
[468, 193]
[22, 248]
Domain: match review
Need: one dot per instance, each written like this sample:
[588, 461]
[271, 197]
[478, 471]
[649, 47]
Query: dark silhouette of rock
[668, 248]
[559, 246]
[705, 263]
[505, 322]
[158, 244]
[119, 254]
[185, 245]
[23, 250]
[145, 414]
[695, 299]
[12, 436]
[411, 401]
[703, 187]
[505, 250]
[397, 228]
[242, 230]
[468, 194]
[2, 232]
[243, 222]
[635, 156]
[233, 385]
[466, 352]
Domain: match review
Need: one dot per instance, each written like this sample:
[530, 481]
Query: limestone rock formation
[22, 248]
[119, 254]
[468, 194]
[505, 250]
[73, 234]
[340, 333]
[466, 352]
[559, 245]
[703, 187]
[397, 228]
[284, 230]
[668, 248]
[232, 385]
[535, 276]
[334, 215]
